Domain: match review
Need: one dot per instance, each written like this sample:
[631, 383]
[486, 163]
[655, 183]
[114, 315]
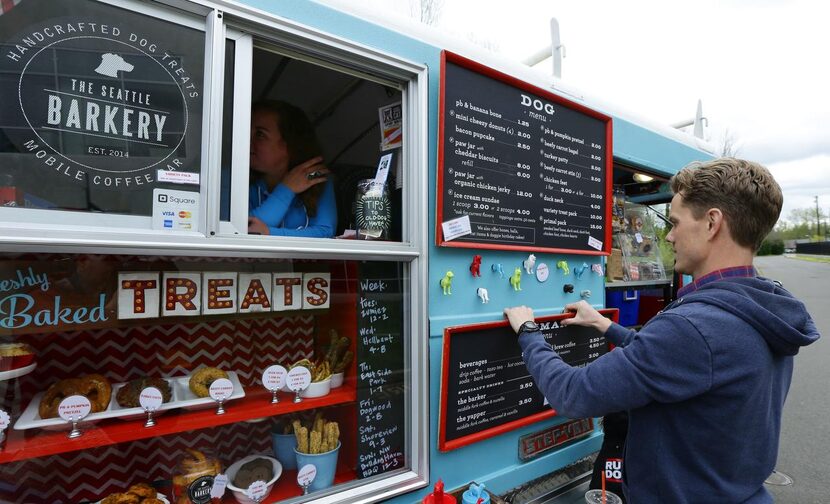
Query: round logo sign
[99, 103]
[199, 490]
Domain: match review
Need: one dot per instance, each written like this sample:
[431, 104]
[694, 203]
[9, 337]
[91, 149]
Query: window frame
[28, 230]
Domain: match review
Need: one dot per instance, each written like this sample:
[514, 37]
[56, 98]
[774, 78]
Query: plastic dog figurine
[482, 293]
[529, 263]
[563, 265]
[516, 279]
[496, 268]
[579, 270]
[446, 283]
[475, 267]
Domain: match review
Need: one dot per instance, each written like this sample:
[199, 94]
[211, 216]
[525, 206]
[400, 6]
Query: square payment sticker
[175, 210]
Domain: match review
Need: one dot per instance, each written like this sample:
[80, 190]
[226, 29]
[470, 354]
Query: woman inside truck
[290, 193]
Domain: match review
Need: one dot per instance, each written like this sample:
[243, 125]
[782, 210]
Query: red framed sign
[519, 168]
[485, 387]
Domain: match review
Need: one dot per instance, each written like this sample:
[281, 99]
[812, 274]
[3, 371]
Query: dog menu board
[530, 169]
[380, 366]
[486, 389]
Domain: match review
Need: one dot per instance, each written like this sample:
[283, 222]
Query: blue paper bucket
[469, 497]
[326, 464]
[284, 445]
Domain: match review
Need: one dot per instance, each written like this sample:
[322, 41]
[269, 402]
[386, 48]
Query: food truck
[153, 349]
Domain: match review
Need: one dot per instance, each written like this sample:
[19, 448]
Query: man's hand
[587, 316]
[517, 316]
[305, 175]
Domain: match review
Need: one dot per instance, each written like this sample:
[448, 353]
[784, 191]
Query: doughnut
[94, 387]
[127, 396]
[122, 498]
[143, 490]
[200, 380]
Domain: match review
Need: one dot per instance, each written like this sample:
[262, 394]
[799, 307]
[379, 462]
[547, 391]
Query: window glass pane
[350, 123]
[108, 98]
[129, 318]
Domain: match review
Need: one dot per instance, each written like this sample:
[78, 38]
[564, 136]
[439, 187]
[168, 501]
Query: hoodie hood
[779, 317]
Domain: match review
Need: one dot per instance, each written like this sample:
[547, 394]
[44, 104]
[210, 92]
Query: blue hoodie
[704, 382]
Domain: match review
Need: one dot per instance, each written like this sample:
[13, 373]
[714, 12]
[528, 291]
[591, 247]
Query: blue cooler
[627, 301]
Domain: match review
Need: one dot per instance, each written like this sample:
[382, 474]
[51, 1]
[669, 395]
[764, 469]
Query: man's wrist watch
[529, 326]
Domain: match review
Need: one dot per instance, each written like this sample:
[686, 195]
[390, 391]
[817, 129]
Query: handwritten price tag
[257, 490]
[306, 474]
[221, 389]
[150, 399]
[74, 407]
[299, 378]
[273, 378]
[218, 488]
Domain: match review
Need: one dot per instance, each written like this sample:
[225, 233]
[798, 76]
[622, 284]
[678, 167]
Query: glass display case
[103, 328]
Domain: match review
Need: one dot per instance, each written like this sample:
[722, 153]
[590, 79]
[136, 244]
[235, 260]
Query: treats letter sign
[218, 293]
[181, 293]
[211, 293]
[316, 287]
[138, 295]
[254, 292]
[288, 291]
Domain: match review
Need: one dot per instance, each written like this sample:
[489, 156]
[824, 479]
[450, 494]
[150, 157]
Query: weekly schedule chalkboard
[486, 389]
[380, 369]
[531, 170]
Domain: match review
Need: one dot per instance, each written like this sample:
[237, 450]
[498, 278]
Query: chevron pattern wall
[121, 354]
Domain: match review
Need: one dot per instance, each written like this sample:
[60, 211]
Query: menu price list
[488, 383]
[527, 170]
[380, 384]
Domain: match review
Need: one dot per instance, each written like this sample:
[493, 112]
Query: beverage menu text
[487, 386]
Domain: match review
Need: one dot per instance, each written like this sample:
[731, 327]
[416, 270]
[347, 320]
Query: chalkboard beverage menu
[486, 389]
[530, 169]
[380, 383]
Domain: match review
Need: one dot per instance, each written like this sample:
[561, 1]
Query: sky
[760, 67]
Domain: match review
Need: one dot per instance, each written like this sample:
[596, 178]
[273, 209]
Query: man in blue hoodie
[705, 380]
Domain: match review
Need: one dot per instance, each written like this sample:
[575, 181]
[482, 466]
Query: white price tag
[456, 228]
[219, 484]
[299, 378]
[177, 177]
[306, 474]
[221, 389]
[150, 399]
[256, 490]
[5, 420]
[273, 378]
[75, 407]
[594, 243]
[638, 237]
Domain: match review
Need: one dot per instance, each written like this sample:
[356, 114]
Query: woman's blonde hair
[744, 191]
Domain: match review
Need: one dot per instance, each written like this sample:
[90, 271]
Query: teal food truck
[164, 338]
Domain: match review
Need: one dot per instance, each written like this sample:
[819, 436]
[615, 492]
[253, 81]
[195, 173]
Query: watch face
[529, 326]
